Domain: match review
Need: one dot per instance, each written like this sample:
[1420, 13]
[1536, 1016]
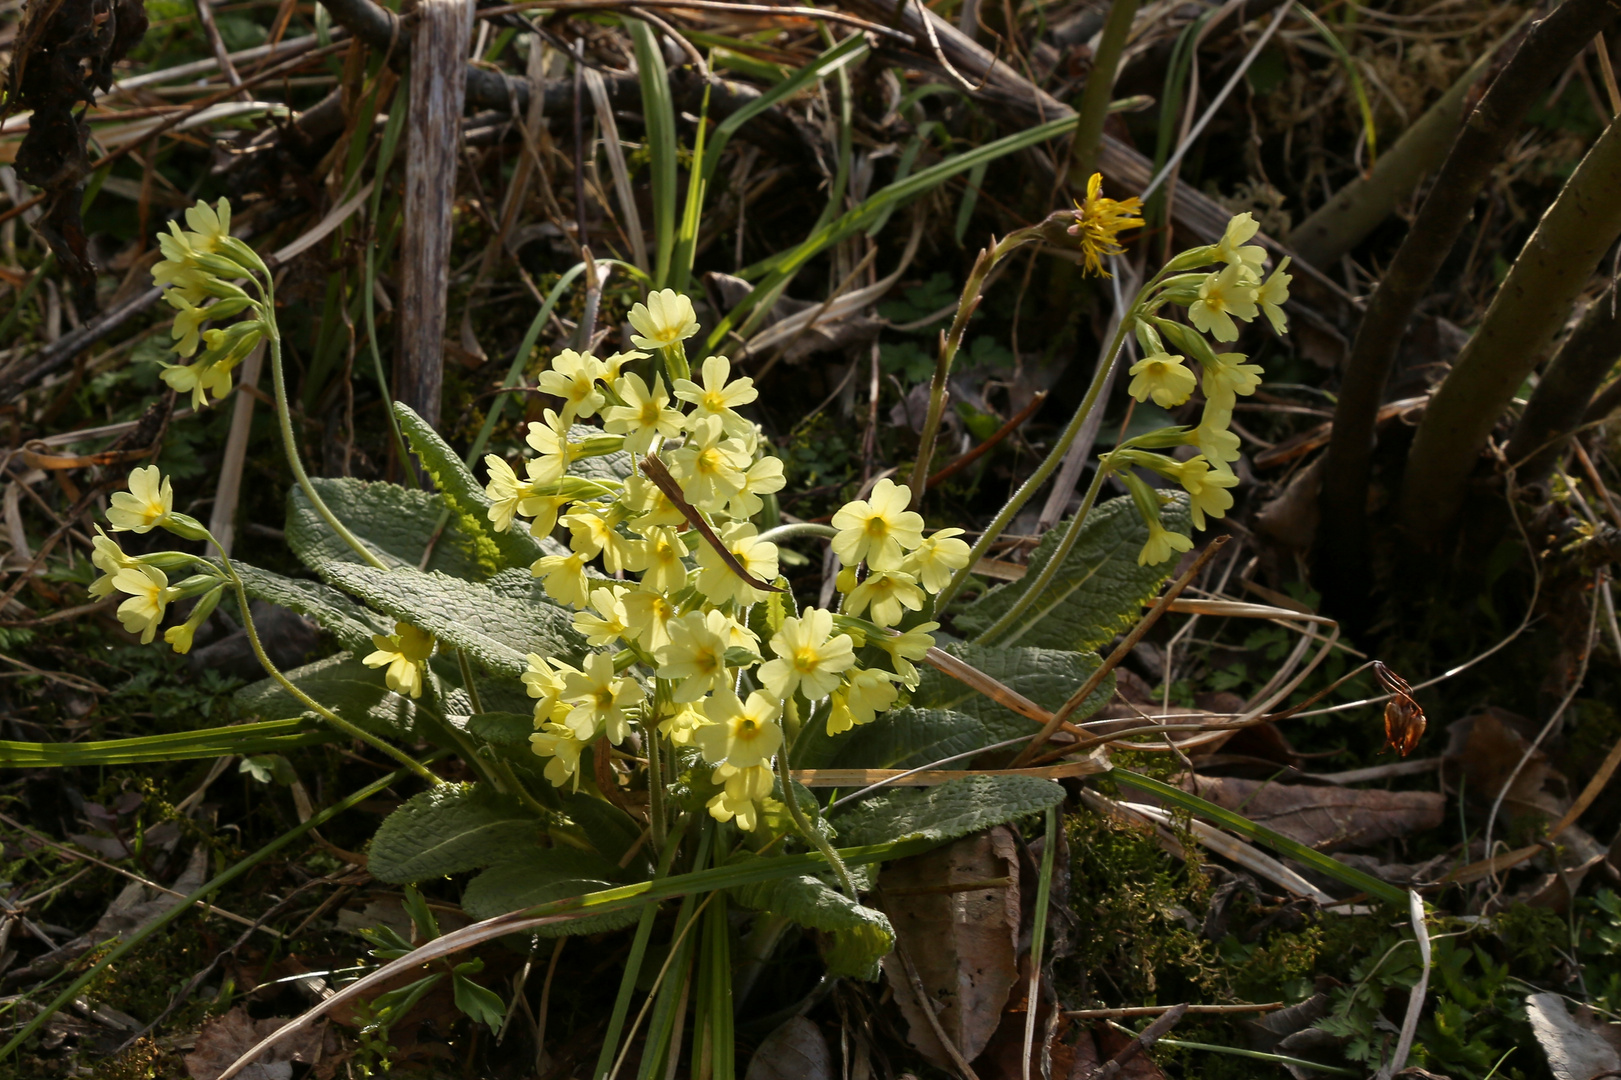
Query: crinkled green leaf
[499, 622]
[540, 876]
[906, 738]
[448, 829]
[1046, 676]
[346, 686]
[461, 491]
[350, 623]
[502, 728]
[858, 937]
[609, 829]
[1097, 593]
[953, 809]
[397, 523]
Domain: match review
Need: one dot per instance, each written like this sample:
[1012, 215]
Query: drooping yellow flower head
[405, 653]
[1162, 542]
[665, 319]
[149, 500]
[148, 599]
[1100, 220]
[1162, 377]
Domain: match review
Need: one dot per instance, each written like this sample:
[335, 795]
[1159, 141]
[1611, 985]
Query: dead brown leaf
[963, 942]
[1326, 818]
[226, 1038]
[795, 1051]
[1483, 751]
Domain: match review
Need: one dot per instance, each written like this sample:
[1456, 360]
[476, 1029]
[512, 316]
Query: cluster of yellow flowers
[681, 655]
[200, 264]
[1214, 300]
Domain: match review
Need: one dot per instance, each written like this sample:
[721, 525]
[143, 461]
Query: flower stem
[1055, 457]
[950, 342]
[285, 416]
[814, 835]
[304, 699]
[1094, 106]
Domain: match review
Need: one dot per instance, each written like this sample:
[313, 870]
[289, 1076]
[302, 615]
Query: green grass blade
[1358, 90]
[270, 736]
[780, 267]
[1258, 1055]
[659, 113]
[204, 891]
[1243, 826]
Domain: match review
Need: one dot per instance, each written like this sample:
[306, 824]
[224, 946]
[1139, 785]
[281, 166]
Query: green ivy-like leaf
[347, 687]
[462, 492]
[1097, 593]
[350, 623]
[397, 524]
[502, 728]
[1046, 676]
[953, 809]
[446, 830]
[906, 738]
[540, 876]
[859, 937]
[499, 622]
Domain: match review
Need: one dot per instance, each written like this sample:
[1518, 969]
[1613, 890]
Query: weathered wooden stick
[438, 88]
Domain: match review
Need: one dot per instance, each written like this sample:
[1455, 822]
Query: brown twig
[1150, 1035]
[656, 472]
[707, 5]
[1160, 1010]
[1036, 401]
[1120, 652]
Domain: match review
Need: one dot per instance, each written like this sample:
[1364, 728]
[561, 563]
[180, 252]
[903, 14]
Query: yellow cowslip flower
[937, 558]
[1231, 248]
[505, 492]
[664, 551]
[865, 693]
[612, 364]
[879, 528]
[1230, 377]
[656, 511]
[666, 318]
[765, 477]
[810, 657]
[695, 656]
[1222, 297]
[1272, 295]
[647, 617]
[199, 379]
[548, 438]
[1161, 543]
[680, 726]
[573, 378]
[564, 578]
[746, 793]
[1212, 438]
[605, 622]
[709, 466]
[405, 653]
[543, 680]
[903, 648]
[1206, 488]
[146, 505]
[742, 734]
[1099, 221]
[557, 742]
[188, 322]
[149, 595]
[592, 533]
[645, 414]
[717, 397]
[210, 226]
[176, 275]
[1163, 377]
[719, 582]
[109, 558]
[599, 700]
[180, 637]
[887, 593]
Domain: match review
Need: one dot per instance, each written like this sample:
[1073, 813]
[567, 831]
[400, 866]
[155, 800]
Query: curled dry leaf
[1326, 818]
[1483, 751]
[227, 1037]
[1579, 1045]
[955, 911]
[795, 1051]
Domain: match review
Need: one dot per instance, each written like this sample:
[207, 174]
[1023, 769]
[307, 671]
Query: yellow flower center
[714, 401]
[877, 527]
[604, 697]
[806, 660]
